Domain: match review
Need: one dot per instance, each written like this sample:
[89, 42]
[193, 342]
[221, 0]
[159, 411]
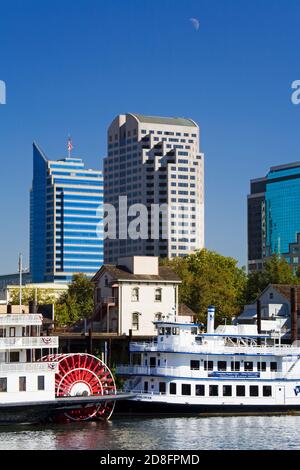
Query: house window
[158, 295]
[41, 382]
[98, 295]
[135, 321]
[3, 384]
[135, 294]
[22, 384]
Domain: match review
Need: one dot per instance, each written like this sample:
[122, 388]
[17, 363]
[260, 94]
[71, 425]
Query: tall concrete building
[155, 161]
[274, 216]
[66, 219]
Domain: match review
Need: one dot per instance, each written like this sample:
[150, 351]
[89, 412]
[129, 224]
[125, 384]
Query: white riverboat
[38, 383]
[225, 370]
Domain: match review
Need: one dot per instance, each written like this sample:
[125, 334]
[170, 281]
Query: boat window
[22, 384]
[14, 356]
[273, 366]
[162, 387]
[222, 365]
[136, 359]
[208, 365]
[262, 366]
[185, 389]
[2, 332]
[267, 391]
[161, 331]
[195, 365]
[253, 390]
[168, 330]
[200, 390]
[172, 389]
[194, 330]
[175, 331]
[3, 384]
[146, 386]
[41, 382]
[213, 390]
[227, 390]
[235, 366]
[12, 331]
[248, 365]
[240, 391]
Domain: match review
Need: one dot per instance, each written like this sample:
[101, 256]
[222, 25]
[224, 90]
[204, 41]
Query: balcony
[29, 342]
[13, 319]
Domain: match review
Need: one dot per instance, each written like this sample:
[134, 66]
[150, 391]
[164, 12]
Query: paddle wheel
[83, 375]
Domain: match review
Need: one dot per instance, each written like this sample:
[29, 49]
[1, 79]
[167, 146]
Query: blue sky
[72, 66]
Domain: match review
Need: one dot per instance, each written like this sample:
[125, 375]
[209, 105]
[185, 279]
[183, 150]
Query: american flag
[70, 146]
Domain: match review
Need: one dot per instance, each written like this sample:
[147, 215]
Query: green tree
[209, 278]
[276, 270]
[77, 303]
[29, 294]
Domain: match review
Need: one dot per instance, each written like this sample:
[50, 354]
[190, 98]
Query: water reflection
[190, 433]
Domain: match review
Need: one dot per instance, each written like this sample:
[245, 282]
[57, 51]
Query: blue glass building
[274, 216]
[66, 219]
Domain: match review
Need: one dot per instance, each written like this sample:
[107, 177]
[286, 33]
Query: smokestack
[294, 319]
[258, 315]
[211, 319]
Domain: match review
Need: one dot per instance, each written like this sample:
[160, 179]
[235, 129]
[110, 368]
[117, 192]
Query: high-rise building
[66, 219]
[274, 216]
[155, 161]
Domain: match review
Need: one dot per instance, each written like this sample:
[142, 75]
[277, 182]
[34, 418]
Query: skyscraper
[66, 219]
[155, 161]
[274, 215]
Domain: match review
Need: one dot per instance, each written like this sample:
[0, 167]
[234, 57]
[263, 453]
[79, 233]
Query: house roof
[284, 289]
[122, 273]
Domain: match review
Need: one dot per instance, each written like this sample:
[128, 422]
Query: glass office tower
[274, 216]
[66, 219]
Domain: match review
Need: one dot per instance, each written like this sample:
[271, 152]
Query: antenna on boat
[20, 272]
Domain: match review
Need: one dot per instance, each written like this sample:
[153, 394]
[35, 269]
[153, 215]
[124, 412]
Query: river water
[166, 433]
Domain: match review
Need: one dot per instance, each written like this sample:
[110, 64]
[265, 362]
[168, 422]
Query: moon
[195, 23]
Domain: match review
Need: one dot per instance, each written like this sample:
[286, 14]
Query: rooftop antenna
[70, 146]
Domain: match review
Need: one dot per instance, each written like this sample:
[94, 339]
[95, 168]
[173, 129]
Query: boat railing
[20, 319]
[28, 366]
[29, 341]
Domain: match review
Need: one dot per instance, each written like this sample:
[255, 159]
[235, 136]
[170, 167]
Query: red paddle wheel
[83, 375]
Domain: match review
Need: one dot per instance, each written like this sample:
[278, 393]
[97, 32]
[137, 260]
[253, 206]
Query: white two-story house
[131, 295]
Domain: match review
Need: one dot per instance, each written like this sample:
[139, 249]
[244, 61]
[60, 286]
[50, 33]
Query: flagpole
[20, 272]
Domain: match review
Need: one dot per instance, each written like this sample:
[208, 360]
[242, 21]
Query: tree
[77, 303]
[276, 270]
[209, 278]
[29, 294]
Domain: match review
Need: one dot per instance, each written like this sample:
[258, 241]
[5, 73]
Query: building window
[158, 295]
[213, 390]
[158, 316]
[267, 391]
[195, 365]
[253, 390]
[135, 294]
[162, 387]
[3, 384]
[200, 390]
[185, 389]
[172, 389]
[22, 384]
[208, 365]
[98, 295]
[41, 382]
[135, 321]
[240, 391]
[227, 391]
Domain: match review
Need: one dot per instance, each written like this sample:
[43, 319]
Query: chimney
[294, 319]
[258, 315]
[211, 319]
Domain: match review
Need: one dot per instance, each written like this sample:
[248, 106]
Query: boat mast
[20, 272]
